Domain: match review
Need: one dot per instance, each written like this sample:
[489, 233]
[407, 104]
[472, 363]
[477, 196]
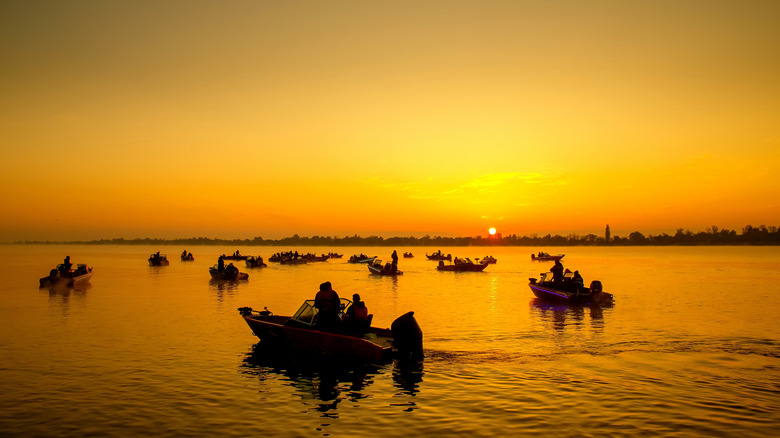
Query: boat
[377, 268]
[544, 257]
[158, 259]
[488, 259]
[569, 291]
[228, 273]
[235, 256]
[439, 256]
[361, 259]
[257, 262]
[335, 255]
[299, 332]
[293, 261]
[462, 265]
[66, 277]
[315, 258]
[408, 255]
[187, 257]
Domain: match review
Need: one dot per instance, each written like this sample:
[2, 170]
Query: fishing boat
[544, 257]
[66, 277]
[335, 255]
[228, 273]
[361, 259]
[315, 258]
[408, 255]
[187, 257]
[377, 268]
[462, 265]
[489, 260]
[235, 256]
[299, 332]
[253, 262]
[569, 291]
[158, 259]
[293, 261]
[439, 256]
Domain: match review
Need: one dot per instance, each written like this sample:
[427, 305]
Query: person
[394, 256]
[577, 278]
[328, 304]
[221, 264]
[356, 318]
[66, 265]
[557, 271]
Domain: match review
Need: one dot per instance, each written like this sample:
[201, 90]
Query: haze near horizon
[239, 119]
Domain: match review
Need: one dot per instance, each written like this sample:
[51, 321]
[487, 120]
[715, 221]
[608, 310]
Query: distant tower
[606, 234]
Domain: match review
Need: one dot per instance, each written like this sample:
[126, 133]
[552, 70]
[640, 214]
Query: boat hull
[272, 329]
[379, 271]
[586, 297]
[65, 281]
[465, 267]
[367, 260]
[222, 276]
[547, 258]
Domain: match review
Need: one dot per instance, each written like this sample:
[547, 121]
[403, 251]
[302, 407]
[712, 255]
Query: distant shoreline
[750, 236]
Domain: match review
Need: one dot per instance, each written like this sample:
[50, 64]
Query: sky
[237, 119]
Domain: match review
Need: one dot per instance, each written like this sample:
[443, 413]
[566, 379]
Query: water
[691, 347]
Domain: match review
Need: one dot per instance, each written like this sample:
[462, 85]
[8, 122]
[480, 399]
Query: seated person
[356, 320]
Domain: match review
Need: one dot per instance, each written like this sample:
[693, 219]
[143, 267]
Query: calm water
[691, 348]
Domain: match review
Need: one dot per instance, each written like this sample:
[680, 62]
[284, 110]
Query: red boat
[570, 292]
[462, 266]
[544, 257]
[299, 332]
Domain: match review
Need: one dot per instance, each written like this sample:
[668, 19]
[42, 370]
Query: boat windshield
[307, 312]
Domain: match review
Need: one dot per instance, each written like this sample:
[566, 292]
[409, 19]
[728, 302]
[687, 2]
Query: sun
[492, 231]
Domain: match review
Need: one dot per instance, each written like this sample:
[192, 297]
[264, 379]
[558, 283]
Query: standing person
[328, 304]
[557, 271]
[394, 256]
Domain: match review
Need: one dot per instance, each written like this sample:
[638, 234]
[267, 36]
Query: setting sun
[492, 231]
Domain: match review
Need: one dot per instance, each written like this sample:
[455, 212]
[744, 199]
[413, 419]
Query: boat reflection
[324, 381]
[223, 288]
[60, 296]
[560, 316]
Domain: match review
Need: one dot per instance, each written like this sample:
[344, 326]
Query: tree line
[749, 235]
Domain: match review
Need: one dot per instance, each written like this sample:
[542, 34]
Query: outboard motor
[595, 286]
[407, 336]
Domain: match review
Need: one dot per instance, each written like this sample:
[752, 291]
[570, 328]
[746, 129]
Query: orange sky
[253, 118]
